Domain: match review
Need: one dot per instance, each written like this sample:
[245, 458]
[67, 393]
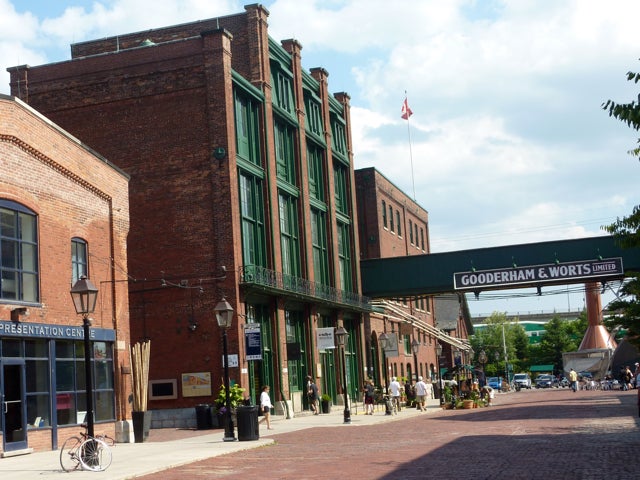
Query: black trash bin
[248, 427]
[204, 417]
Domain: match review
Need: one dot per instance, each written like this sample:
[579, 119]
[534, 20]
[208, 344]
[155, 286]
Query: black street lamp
[341, 340]
[482, 358]
[383, 340]
[415, 347]
[84, 295]
[224, 316]
[438, 354]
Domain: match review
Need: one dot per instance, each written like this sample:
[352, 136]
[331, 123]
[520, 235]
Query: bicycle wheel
[69, 454]
[95, 455]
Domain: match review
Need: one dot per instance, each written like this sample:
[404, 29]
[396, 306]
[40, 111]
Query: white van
[522, 379]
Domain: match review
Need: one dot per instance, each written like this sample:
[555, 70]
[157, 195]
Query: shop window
[71, 385]
[37, 383]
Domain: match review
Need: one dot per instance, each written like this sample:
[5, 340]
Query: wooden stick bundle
[140, 369]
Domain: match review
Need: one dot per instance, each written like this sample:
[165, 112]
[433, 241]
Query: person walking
[266, 407]
[626, 378]
[573, 378]
[394, 389]
[421, 394]
[312, 394]
[369, 396]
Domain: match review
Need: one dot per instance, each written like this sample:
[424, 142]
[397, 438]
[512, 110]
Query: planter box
[141, 425]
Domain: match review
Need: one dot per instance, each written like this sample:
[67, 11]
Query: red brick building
[391, 225]
[64, 213]
[241, 187]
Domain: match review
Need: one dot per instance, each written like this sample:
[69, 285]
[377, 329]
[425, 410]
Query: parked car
[495, 383]
[547, 381]
[522, 380]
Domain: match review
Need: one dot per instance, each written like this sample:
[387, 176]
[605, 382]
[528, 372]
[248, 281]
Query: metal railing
[282, 282]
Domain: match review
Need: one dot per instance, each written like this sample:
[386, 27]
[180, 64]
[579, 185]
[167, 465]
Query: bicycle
[89, 453]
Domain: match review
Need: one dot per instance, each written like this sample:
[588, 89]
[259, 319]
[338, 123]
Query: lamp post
[383, 340]
[482, 358]
[415, 347]
[224, 316]
[84, 295]
[438, 354]
[341, 339]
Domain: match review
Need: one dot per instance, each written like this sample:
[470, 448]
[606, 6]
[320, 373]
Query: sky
[508, 143]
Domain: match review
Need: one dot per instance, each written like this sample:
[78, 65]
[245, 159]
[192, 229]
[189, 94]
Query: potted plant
[448, 396]
[325, 401]
[236, 397]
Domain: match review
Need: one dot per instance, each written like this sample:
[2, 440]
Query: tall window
[289, 240]
[340, 185]
[79, 266]
[247, 128]
[422, 238]
[384, 214]
[251, 211]
[410, 232]
[399, 228]
[285, 153]
[313, 115]
[316, 178]
[339, 139]
[391, 218]
[283, 92]
[18, 253]
[344, 257]
[319, 242]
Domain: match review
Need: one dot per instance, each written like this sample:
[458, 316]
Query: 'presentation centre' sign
[535, 274]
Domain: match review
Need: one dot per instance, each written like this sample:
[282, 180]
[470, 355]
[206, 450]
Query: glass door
[14, 418]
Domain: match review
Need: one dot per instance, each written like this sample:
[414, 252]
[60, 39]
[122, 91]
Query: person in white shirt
[421, 394]
[265, 406]
[394, 389]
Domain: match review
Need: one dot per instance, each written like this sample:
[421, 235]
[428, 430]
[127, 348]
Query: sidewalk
[162, 451]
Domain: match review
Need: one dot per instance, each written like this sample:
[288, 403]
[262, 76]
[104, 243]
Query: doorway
[13, 415]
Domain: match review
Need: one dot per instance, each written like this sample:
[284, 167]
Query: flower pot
[141, 425]
[467, 404]
[326, 406]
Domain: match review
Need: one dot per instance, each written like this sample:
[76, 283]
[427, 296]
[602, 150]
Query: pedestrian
[369, 396]
[265, 406]
[394, 390]
[626, 378]
[409, 392]
[488, 394]
[421, 394]
[573, 378]
[313, 396]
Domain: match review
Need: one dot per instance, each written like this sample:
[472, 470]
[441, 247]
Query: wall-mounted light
[16, 313]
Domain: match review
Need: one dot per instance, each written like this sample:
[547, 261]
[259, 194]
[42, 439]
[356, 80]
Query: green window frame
[18, 253]
[247, 124]
[285, 152]
[344, 257]
[315, 157]
[289, 237]
[283, 88]
[340, 188]
[313, 114]
[320, 248]
[338, 135]
[252, 217]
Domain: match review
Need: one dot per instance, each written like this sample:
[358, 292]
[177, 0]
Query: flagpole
[413, 182]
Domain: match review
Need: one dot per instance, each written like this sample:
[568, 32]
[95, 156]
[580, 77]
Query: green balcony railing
[253, 275]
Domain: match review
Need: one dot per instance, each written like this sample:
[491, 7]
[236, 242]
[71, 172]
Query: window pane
[104, 408]
[36, 348]
[37, 375]
[38, 411]
[65, 375]
[11, 348]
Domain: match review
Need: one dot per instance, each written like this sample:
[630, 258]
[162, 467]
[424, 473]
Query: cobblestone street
[537, 434]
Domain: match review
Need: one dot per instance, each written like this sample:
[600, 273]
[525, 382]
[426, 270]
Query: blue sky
[508, 141]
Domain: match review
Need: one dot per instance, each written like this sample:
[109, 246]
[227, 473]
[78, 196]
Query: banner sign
[253, 341]
[62, 332]
[535, 274]
[324, 338]
[392, 345]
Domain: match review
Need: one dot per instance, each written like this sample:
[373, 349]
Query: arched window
[19, 252]
[79, 262]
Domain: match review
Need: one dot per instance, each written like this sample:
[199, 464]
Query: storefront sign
[324, 338]
[253, 341]
[537, 274]
[63, 332]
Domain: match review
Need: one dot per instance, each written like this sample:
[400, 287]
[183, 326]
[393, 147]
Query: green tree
[627, 229]
[558, 338]
[499, 333]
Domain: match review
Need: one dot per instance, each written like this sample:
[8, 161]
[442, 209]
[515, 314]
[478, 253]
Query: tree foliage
[627, 229]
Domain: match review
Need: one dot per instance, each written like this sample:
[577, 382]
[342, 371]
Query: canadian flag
[406, 111]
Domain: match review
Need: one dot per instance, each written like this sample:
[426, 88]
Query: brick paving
[538, 434]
